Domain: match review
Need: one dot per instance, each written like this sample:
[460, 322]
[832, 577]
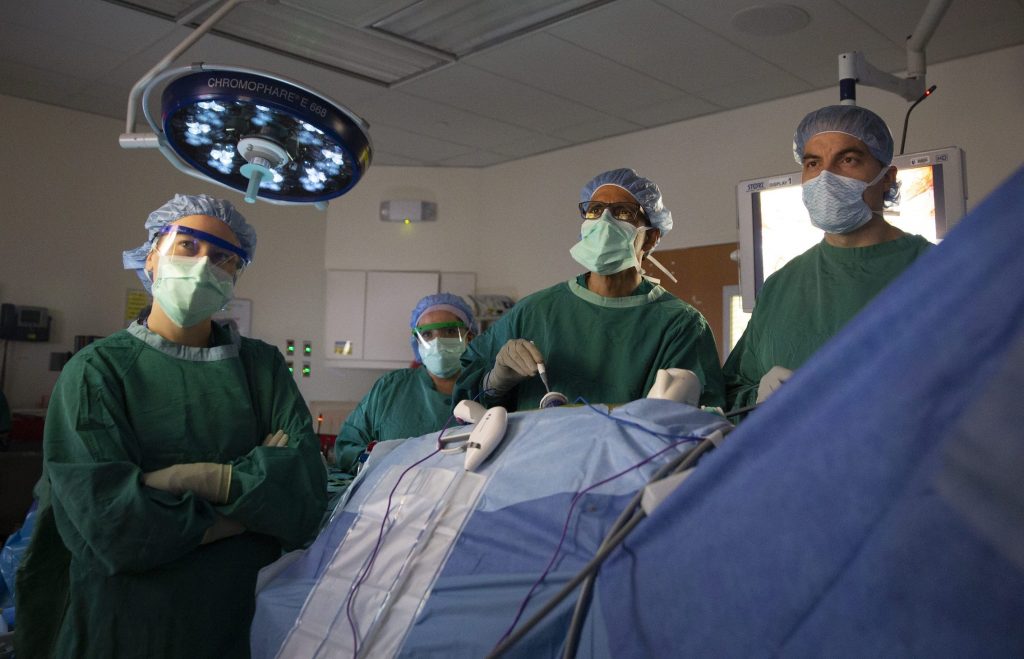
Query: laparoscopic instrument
[551, 398]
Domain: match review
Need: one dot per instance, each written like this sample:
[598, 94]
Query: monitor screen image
[774, 226]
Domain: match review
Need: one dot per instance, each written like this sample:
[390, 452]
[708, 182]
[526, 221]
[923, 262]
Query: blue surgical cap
[182, 206]
[453, 304]
[644, 190]
[852, 120]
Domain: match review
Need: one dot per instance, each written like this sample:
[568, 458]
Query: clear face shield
[452, 331]
[179, 241]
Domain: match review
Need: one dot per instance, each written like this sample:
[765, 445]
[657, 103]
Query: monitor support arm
[854, 68]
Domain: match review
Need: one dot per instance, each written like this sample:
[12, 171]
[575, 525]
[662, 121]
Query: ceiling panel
[809, 54]
[678, 109]
[497, 97]
[612, 67]
[594, 130]
[564, 69]
[681, 58]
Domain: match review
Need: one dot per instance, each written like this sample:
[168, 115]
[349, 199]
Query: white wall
[71, 200]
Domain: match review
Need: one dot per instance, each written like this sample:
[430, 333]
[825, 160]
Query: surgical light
[260, 134]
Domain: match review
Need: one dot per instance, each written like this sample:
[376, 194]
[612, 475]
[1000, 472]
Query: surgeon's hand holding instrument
[210, 480]
[771, 381]
[517, 360]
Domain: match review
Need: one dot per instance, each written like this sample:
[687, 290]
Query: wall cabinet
[366, 320]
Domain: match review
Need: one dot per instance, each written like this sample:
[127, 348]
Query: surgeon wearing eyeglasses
[179, 459]
[604, 334]
[410, 402]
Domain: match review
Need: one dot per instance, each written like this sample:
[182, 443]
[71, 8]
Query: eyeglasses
[625, 211]
[177, 240]
[446, 330]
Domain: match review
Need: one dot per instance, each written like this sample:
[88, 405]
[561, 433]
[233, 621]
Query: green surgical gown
[402, 403]
[806, 302]
[606, 350]
[115, 568]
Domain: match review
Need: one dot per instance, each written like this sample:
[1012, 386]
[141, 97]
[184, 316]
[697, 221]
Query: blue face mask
[836, 203]
[441, 356]
[607, 245]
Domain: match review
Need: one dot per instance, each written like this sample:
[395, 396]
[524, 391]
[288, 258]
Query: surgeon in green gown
[846, 154]
[411, 402]
[604, 334]
[179, 459]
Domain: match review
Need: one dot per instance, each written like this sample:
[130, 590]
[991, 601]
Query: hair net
[441, 302]
[852, 120]
[183, 206]
[644, 190]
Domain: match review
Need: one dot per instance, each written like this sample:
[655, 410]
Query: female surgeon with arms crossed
[179, 459]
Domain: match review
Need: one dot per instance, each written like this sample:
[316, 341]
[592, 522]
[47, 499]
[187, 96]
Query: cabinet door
[343, 315]
[390, 298]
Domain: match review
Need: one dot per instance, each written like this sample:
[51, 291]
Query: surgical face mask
[441, 356]
[190, 290]
[836, 203]
[607, 245]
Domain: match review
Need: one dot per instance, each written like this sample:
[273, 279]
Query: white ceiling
[476, 82]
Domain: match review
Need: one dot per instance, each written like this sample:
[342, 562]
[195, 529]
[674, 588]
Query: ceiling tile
[765, 89]
[801, 53]
[69, 56]
[490, 95]
[441, 121]
[531, 146]
[680, 58]
[678, 109]
[595, 130]
[426, 150]
[474, 159]
[559, 67]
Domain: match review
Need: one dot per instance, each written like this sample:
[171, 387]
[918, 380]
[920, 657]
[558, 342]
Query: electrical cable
[906, 119]
[625, 521]
[678, 465]
[742, 410]
[610, 545]
[380, 536]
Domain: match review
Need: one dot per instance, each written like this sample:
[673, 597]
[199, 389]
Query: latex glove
[276, 439]
[209, 480]
[223, 527]
[771, 381]
[516, 361]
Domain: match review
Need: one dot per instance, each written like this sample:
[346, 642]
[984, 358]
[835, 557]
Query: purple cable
[572, 505]
[380, 539]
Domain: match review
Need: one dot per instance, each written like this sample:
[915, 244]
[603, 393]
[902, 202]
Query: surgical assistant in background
[411, 402]
[604, 334]
[179, 459]
[846, 154]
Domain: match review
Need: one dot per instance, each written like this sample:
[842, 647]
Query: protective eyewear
[177, 240]
[447, 330]
[625, 211]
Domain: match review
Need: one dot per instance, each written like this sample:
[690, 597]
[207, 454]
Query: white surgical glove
[209, 480]
[771, 381]
[516, 361]
[223, 527]
[276, 439]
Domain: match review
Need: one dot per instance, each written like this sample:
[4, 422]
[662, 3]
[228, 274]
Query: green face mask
[606, 245]
[441, 356]
[190, 290]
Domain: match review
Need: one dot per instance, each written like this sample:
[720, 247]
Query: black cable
[906, 119]
[610, 544]
[3, 367]
[680, 464]
[742, 410]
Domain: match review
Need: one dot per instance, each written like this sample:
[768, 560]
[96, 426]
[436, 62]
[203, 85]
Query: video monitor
[774, 225]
